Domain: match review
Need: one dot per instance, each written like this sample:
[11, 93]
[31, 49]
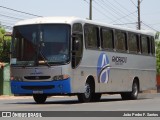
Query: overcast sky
[109, 11]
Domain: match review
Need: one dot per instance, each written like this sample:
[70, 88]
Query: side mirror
[76, 41]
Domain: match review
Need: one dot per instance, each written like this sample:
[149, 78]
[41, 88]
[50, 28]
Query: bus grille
[37, 77]
[38, 87]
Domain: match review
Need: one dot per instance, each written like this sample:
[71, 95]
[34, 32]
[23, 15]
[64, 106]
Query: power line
[133, 13]
[111, 8]
[150, 27]
[6, 22]
[118, 19]
[107, 10]
[134, 3]
[154, 24]
[124, 16]
[12, 13]
[122, 6]
[104, 8]
[11, 17]
[99, 11]
[126, 23]
[138, 7]
[20, 11]
[6, 26]
[119, 13]
[116, 9]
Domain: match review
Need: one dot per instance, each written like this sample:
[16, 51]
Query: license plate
[38, 92]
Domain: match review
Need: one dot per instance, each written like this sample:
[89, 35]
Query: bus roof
[71, 20]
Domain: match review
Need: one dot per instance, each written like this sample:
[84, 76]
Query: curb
[12, 97]
[148, 95]
[7, 97]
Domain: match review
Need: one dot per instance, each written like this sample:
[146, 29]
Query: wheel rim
[87, 90]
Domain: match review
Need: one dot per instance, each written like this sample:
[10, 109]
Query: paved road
[146, 102]
[150, 102]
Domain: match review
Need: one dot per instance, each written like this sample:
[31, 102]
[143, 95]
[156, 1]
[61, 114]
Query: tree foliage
[4, 46]
[158, 56]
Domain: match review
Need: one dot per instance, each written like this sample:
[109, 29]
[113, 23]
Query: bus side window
[107, 38]
[149, 45]
[139, 48]
[77, 44]
[145, 44]
[120, 40]
[133, 42]
[153, 46]
[77, 28]
[91, 33]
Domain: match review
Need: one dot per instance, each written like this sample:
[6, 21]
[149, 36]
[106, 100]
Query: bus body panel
[120, 69]
[121, 74]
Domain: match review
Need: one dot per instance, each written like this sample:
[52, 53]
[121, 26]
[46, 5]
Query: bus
[73, 56]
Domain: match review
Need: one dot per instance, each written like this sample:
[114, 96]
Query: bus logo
[103, 68]
[36, 72]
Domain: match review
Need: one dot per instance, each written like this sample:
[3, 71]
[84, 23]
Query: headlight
[60, 77]
[16, 78]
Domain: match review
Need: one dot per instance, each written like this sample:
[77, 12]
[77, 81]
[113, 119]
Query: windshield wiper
[37, 61]
[44, 59]
[40, 45]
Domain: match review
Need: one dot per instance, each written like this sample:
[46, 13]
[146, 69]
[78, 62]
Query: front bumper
[48, 87]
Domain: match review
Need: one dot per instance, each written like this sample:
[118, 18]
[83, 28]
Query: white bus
[72, 56]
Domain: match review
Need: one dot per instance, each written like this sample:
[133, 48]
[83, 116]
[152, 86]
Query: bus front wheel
[39, 98]
[87, 95]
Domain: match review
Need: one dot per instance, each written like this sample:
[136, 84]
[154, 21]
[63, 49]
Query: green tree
[158, 52]
[158, 56]
[4, 46]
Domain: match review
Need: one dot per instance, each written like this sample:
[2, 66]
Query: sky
[119, 12]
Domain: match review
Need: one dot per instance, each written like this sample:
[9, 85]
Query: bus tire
[88, 94]
[135, 91]
[39, 99]
[133, 95]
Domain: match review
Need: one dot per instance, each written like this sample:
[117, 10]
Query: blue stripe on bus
[59, 87]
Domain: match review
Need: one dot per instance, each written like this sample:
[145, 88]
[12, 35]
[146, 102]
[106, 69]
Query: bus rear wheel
[87, 95]
[39, 99]
[133, 95]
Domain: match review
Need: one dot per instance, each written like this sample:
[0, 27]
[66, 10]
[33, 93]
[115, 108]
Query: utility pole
[139, 20]
[90, 10]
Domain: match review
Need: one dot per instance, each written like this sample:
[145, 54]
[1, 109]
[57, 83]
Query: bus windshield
[40, 44]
